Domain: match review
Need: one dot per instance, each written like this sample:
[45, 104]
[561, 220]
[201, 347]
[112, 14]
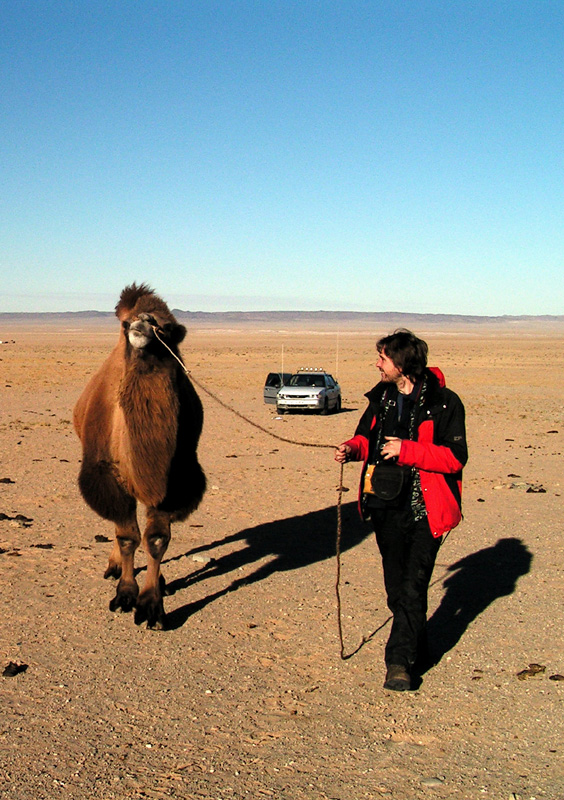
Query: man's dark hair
[408, 353]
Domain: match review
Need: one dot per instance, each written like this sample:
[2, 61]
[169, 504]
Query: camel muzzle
[140, 334]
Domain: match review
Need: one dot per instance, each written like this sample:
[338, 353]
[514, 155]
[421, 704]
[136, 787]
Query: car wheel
[337, 405]
[325, 409]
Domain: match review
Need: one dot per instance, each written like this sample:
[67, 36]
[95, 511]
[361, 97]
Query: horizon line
[278, 313]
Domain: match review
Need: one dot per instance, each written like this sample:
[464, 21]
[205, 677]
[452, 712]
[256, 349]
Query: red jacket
[439, 452]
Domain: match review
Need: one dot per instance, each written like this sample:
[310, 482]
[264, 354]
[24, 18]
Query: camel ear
[178, 333]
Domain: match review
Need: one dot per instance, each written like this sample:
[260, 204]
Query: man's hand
[342, 453]
[392, 447]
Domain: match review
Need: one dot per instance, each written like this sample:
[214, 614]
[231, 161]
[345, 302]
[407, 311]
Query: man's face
[389, 373]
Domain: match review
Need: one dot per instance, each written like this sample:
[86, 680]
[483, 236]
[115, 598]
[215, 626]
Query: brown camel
[139, 420]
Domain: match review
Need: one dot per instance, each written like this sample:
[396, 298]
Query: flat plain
[245, 694]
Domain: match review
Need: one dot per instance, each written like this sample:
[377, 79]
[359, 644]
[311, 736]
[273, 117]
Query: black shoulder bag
[387, 479]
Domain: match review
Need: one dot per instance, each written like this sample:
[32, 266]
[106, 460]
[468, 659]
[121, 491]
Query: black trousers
[408, 551]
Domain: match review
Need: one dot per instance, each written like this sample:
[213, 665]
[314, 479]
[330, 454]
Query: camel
[139, 420]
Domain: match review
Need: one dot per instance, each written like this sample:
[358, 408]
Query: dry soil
[245, 694]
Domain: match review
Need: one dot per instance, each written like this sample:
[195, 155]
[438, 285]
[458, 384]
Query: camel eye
[126, 324]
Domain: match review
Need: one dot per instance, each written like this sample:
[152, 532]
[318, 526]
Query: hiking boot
[397, 679]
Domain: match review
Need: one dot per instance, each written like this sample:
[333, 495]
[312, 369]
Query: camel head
[140, 311]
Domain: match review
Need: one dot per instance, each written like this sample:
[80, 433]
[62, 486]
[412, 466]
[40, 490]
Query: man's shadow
[477, 580]
[278, 546]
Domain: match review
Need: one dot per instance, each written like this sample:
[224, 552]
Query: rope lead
[288, 441]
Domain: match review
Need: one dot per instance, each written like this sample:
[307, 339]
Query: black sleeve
[451, 430]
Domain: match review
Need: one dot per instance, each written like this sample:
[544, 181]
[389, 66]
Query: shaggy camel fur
[139, 420]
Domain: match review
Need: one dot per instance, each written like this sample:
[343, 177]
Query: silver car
[274, 381]
[310, 390]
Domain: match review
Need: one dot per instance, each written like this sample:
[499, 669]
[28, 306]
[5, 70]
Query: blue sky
[246, 155]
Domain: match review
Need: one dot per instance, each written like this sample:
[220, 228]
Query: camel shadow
[279, 546]
[477, 580]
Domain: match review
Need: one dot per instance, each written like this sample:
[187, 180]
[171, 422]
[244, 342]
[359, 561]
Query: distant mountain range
[286, 317]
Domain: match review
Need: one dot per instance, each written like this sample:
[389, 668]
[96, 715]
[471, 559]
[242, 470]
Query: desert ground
[245, 694]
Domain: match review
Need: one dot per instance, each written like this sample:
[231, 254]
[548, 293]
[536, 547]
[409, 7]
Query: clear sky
[274, 154]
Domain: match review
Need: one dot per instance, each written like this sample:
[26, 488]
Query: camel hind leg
[113, 570]
[121, 564]
[155, 540]
[105, 494]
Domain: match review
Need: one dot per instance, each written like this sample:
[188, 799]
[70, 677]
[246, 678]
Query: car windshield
[307, 380]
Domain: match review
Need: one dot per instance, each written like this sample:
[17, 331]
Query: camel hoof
[125, 599]
[150, 610]
[122, 603]
[155, 619]
[113, 571]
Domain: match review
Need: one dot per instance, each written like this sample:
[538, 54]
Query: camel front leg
[128, 538]
[155, 540]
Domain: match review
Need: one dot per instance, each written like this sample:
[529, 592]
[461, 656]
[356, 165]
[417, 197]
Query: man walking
[412, 441]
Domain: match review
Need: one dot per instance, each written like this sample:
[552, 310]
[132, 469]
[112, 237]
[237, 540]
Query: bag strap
[387, 402]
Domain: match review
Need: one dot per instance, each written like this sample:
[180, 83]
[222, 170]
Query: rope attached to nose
[234, 410]
[288, 441]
